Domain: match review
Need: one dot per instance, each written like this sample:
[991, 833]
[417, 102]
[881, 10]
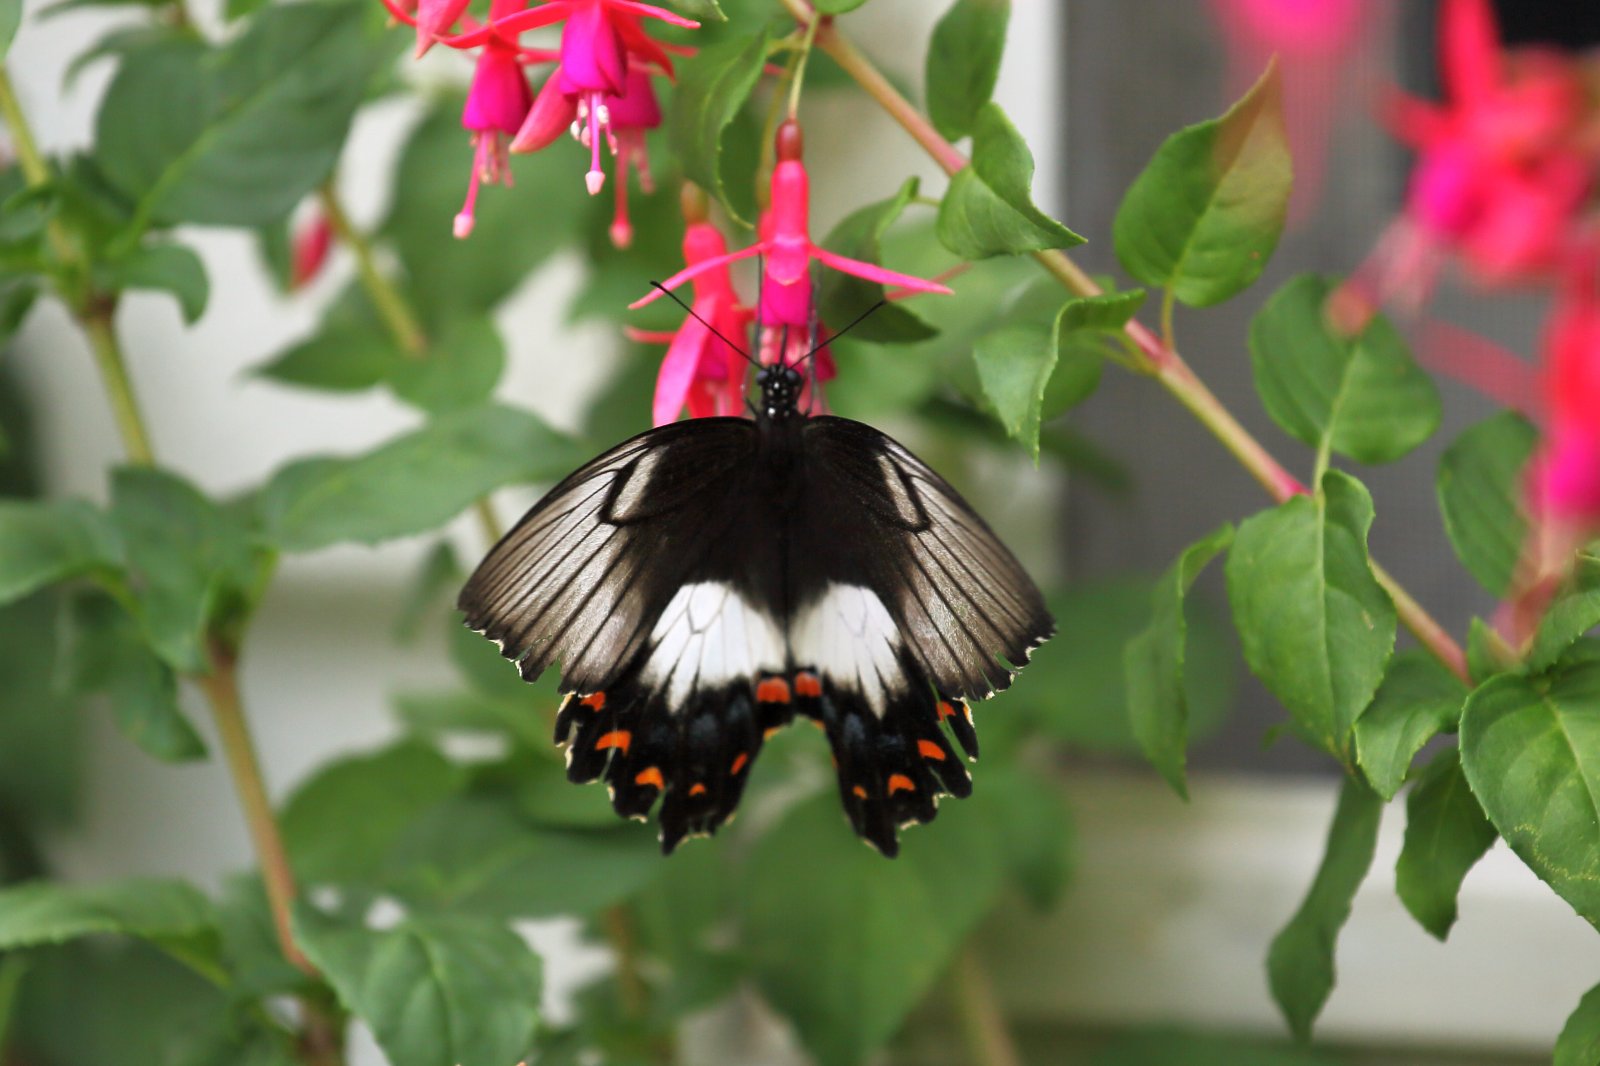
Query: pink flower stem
[1161, 360]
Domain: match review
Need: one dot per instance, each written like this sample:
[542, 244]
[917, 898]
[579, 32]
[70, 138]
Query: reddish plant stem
[1161, 360]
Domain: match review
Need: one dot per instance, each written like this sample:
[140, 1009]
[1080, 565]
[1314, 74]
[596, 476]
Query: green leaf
[1579, 1043]
[1487, 652]
[42, 543]
[1205, 215]
[1446, 833]
[1104, 618]
[340, 824]
[10, 20]
[1574, 611]
[450, 278]
[988, 209]
[238, 137]
[1314, 623]
[1154, 662]
[837, 7]
[1527, 746]
[1480, 496]
[1106, 313]
[473, 854]
[41, 749]
[185, 555]
[1015, 364]
[250, 944]
[436, 580]
[148, 1009]
[434, 989]
[964, 62]
[1418, 699]
[847, 956]
[1300, 961]
[843, 298]
[342, 357]
[171, 914]
[459, 369]
[1363, 396]
[1034, 825]
[170, 268]
[415, 482]
[712, 89]
[111, 653]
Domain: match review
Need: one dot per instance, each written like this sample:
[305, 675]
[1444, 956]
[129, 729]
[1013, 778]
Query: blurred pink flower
[1316, 39]
[1502, 170]
[1565, 481]
[787, 296]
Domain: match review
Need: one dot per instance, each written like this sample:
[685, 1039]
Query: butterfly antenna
[835, 336]
[692, 314]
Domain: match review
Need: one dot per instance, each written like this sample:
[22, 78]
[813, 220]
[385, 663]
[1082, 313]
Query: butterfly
[707, 581]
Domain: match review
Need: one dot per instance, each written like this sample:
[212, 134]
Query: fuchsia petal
[877, 273]
[637, 108]
[513, 25]
[694, 271]
[648, 11]
[400, 14]
[1469, 48]
[641, 45]
[434, 19]
[787, 303]
[549, 117]
[679, 369]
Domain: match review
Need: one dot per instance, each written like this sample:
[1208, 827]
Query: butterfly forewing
[704, 582]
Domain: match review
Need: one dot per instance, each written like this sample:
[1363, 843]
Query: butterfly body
[705, 582]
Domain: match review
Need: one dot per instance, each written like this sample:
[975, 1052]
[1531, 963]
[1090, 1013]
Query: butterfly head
[780, 391]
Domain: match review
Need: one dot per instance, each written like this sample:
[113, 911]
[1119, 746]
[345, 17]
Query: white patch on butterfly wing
[630, 495]
[849, 636]
[709, 636]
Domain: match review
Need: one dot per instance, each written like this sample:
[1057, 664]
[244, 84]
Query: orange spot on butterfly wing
[594, 701]
[860, 792]
[650, 776]
[773, 690]
[930, 750]
[901, 783]
[739, 762]
[617, 738]
[697, 789]
[807, 685]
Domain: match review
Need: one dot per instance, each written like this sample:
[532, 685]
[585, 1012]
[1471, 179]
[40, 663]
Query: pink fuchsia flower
[497, 103]
[600, 40]
[787, 292]
[1316, 40]
[701, 371]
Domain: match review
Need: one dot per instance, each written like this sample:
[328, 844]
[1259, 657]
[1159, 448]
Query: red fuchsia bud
[309, 250]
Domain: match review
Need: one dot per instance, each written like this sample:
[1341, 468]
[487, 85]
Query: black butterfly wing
[638, 576]
[938, 610]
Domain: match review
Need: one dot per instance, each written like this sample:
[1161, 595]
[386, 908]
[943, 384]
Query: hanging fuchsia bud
[309, 250]
[787, 297]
